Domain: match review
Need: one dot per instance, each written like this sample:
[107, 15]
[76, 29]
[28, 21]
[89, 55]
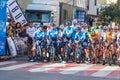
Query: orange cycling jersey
[95, 37]
[109, 37]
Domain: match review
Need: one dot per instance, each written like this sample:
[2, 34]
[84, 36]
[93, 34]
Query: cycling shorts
[41, 44]
[85, 44]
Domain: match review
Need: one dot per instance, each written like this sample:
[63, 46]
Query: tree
[111, 13]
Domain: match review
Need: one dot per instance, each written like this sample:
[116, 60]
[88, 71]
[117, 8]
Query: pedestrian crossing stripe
[17, 66]
[105, 71]
[76, 69]
[47, 67]
[7, 62]
[59, 68]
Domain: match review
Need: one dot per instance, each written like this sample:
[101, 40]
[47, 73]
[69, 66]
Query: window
[37, 16]
[45, 17]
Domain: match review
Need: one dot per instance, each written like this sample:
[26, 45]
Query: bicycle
[69, 54]
[38, 51]
[54, 52]
[111, 54]
[80, 53]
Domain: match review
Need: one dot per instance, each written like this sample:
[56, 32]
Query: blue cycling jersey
[80, 36]
[69, 33]
[39, 35]
[52, 34]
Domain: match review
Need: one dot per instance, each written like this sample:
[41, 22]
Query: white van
[45, 11]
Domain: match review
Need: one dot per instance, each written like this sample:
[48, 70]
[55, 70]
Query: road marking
[90, 70]
[77, 69]
[105, 71]
[47, 67]
[114, 74]
[32, 67]
[7, 62]
[17, 66]
[59, 69]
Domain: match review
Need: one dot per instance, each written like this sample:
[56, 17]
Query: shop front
[80, 15]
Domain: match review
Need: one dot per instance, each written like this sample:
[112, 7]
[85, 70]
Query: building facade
[80, 7]
[92, 7]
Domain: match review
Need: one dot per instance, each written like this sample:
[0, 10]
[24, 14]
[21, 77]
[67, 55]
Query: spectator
[29, 31]
[9, 28]
[18, 27]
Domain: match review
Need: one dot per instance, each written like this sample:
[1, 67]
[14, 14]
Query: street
[20, 69]
[87, 32]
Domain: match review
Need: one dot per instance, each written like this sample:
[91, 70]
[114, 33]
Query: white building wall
[81, 3]
[92, 8]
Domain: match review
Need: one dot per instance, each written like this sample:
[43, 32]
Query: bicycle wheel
[52, 54]
[77, 56]
[66, 53]
[38, 53]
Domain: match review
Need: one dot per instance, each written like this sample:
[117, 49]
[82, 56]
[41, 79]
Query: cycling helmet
[93, 33]
[77, 29]
[39, 25]
[52, 24]
[85, 24]
[116, 27]
[67, 23]
[104, 27]
[74, 21]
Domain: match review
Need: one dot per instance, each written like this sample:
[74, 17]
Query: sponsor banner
[11, 46]
[16, 12]
[3, 27]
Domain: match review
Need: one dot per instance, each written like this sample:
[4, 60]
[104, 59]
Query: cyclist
[102, 39]
[87, 31]
[52, 36]
[115, 38]
[109, 37]
[68, 35]
[103, 32]
[96, 28]
[94, 37]
[74, 23]
[85, 28]
[61, 43]
[118, 42]
[81, 41]
[39, 37]
[115, 32]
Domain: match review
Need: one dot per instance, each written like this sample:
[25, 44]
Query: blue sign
[3, 6]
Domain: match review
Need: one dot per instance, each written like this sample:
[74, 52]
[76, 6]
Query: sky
[110, 1]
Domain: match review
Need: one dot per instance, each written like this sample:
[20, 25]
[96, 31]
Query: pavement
[13, 75]
[20, 69]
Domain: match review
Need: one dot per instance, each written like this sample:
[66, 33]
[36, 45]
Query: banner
[16, 12]
[3, 27]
